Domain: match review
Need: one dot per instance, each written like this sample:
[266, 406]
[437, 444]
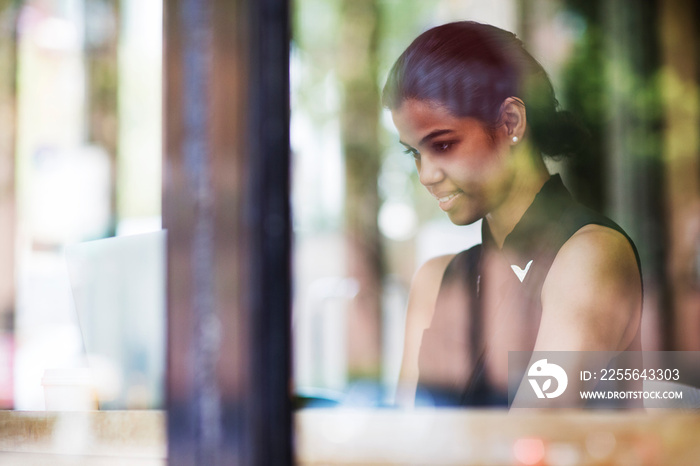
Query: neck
[530, 175]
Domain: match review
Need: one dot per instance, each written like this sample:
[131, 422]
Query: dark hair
[471, 68]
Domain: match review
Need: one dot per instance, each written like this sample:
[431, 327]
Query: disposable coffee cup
[69, 390]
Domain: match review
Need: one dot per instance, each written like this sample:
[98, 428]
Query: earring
[515, 139]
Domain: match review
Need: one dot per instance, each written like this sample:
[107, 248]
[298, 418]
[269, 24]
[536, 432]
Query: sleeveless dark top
[552, 218]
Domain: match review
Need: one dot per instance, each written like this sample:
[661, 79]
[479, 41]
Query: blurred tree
[345, 49]
[611, 83]
[8, 71]
[359, 116]
[101, 63]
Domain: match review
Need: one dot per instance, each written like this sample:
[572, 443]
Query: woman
[477, 113]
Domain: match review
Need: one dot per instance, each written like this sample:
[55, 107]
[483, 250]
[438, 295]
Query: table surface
[380, 437]
[485, 437]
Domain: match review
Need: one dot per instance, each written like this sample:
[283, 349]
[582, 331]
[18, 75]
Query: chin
[462, 218]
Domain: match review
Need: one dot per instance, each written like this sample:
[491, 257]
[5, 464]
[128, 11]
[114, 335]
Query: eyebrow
[431, 135]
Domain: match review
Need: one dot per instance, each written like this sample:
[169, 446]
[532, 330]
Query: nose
[429, 172]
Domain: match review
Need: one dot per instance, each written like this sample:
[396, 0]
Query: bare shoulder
[592, 296]
[432, 269]
[425, 287]
[599, 253]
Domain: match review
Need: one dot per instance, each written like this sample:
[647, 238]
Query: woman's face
[464, 166]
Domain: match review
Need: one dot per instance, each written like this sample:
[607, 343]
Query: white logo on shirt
[520, 273]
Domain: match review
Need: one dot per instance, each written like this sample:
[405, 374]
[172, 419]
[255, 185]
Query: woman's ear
[514, 118]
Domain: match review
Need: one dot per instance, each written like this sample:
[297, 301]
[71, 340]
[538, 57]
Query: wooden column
[681, 155]
[226, 209]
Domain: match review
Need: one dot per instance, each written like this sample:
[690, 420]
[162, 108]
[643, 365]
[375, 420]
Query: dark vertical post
[226, 184]
[270, 227]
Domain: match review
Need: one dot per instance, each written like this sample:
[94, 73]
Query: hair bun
[562, 135]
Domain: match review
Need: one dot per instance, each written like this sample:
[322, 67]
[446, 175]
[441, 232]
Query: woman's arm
[421, 306]
[591, 301]
[592, 296]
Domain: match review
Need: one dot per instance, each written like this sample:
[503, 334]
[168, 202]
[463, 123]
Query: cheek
[494, 158]
[480, 164]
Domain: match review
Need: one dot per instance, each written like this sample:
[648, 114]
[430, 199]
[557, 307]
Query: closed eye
[412, 151]
[443, 146]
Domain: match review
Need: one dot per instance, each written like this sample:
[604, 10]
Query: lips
[446, 199]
